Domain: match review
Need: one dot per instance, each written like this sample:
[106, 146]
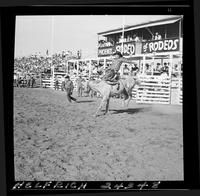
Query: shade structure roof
[168, 20]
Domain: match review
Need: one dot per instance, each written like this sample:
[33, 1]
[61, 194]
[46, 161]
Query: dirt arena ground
[55, 141]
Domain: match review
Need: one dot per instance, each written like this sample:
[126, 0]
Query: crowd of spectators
[108, 42]
[38, 64]
[161, 69]
[37, 67]
[32, 65]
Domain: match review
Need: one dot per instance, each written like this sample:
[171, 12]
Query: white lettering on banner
[175, 44]
[127, 49]
[165, 44]
[104, 52]
[151, 48]
[170, 44]
[161, 45]
[156, 46]
[145, 47]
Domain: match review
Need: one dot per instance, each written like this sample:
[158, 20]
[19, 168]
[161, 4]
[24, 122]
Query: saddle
[113, 83]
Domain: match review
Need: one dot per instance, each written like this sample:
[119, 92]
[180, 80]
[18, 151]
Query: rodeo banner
[165, 45]
[127, 49]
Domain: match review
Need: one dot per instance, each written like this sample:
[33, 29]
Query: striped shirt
[68, 85]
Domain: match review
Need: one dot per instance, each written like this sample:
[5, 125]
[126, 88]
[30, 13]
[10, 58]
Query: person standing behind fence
[32, 81]
[68, 86]
[79, 86]
[56, 83]
[17, 80]
[62, 83]
[28, 80]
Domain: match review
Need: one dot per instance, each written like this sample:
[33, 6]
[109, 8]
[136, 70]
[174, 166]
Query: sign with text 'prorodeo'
[127, 49]
[166, 45]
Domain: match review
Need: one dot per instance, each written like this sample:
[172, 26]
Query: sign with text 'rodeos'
[166, 45]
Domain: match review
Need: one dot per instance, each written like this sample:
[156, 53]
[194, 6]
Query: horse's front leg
[107, 106]
[125, 97]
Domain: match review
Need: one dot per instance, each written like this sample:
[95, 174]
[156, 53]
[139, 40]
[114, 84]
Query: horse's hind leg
[100, 106]
[126, 96]
[130, 97]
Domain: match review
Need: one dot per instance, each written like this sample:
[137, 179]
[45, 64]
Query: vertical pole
[170, 65]
[90, 68]
[170, 77]
[67, 67]
[123, 24]
[139, 66]
[180, 40]
[40, 80]
[179, 83]
[179, 29]
[98, 61]
[143, 65]
[161, 62]
[65, 64]
[77, 67]
[52, 46]
[104, 65]
[153, 58]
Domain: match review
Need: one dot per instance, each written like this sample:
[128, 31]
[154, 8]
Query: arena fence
[48, 83]
[176, 91]
[153, 89]
[180, 90]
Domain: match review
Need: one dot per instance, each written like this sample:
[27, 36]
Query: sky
[34, 34]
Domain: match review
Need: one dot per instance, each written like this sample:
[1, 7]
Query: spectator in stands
[165, 69]
[137, 39]
[28, 80]
[158, 36]
[69, 89]
[134, 70]
[147, 67]
[158, 67]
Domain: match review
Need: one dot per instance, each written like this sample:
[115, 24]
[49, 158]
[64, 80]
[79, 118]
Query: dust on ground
[60, 142]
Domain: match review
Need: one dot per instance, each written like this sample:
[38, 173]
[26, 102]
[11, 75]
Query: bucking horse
[108, 90]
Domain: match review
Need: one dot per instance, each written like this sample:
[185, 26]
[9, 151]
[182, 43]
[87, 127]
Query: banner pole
[123, 24]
